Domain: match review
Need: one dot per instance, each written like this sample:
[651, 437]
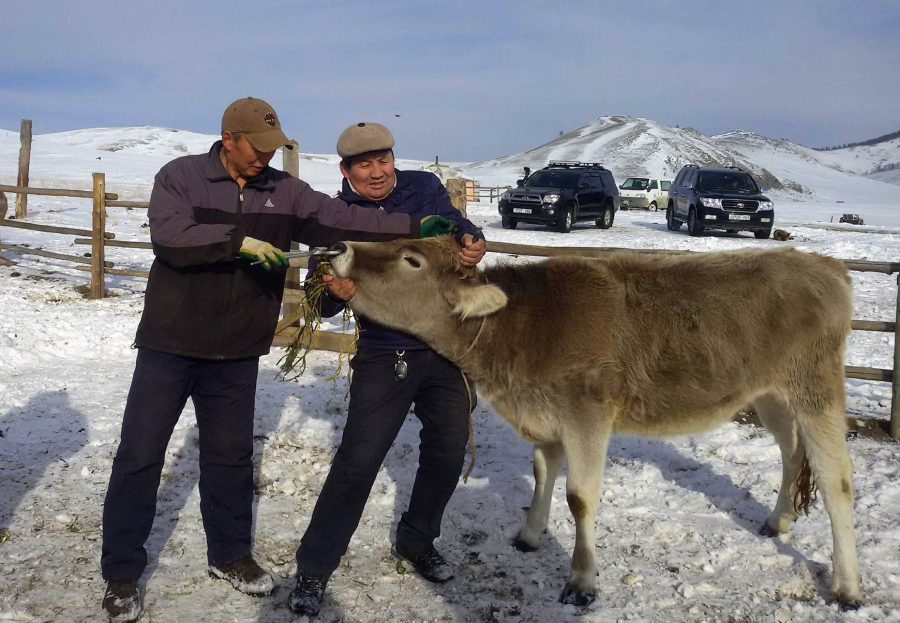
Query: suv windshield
[726, 181]
[635, 183]
[552, 179]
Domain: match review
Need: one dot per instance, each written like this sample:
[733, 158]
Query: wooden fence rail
[99, 239]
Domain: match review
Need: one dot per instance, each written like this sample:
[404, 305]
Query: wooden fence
[492, 193]
[286, 330]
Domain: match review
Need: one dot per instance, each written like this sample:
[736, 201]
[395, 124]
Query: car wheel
[564, 224]
[508, 223]
[694, 226]
[606, 221]
[653, 207]
[672, 223]
[762, 234]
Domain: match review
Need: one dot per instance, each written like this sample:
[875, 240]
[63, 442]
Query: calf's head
[416, 286]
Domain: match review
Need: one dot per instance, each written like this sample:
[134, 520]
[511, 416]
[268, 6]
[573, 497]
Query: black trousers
[378, 407]
[223, 393]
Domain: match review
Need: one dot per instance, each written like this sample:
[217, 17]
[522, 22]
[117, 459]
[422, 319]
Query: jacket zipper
[240, 209]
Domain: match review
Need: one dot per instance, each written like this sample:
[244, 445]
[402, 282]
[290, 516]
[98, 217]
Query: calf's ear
[478, 300]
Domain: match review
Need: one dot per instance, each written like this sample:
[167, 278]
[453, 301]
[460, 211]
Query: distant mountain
[631, 146]
[872, 141]
[144, 140]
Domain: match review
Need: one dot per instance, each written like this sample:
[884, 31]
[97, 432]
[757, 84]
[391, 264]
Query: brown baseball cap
[363, 137]
[256, 121]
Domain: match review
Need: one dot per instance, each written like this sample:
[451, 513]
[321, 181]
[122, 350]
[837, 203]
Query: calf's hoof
[523, 546]
[768, 532]
[577, 597]
[849, 605]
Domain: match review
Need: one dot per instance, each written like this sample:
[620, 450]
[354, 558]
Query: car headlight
[505, 196]
[765, 205]
[551, 199]
[711, 203]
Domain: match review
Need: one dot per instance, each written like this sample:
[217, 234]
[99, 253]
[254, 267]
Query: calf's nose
[338, 246]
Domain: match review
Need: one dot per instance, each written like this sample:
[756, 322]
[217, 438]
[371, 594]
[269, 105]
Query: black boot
[430, 565]
[122, 601]
[246, 576]
[308, 594]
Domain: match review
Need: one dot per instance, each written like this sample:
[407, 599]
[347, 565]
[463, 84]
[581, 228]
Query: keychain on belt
[400, 368]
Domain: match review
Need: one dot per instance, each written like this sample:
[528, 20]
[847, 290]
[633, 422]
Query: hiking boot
[122, 601]
[308, 594]
[246, 576]
[430, 565]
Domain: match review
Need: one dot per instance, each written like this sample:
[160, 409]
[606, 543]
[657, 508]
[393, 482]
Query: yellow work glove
[253, 249]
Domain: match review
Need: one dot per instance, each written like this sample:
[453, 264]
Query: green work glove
[435, 225]
[253, 249]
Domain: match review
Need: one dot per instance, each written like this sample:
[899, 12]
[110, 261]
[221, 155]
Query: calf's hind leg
[783, 425]
[824, 437]
[548, 460]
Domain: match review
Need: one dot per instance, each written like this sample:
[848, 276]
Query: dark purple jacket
[419, 194]
[203, 301]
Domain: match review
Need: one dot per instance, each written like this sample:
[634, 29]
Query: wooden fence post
[292, 280]
[291, 159]
[895, 382]
[456, 188]
[24, 166]
[98, 279]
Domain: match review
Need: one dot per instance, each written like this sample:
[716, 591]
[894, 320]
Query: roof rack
[566, 164]
[735, 168]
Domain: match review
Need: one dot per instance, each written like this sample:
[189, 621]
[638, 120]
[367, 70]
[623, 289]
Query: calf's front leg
[548, 460]
[586, 453]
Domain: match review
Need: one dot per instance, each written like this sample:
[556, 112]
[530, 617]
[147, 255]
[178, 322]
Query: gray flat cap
[363, 137]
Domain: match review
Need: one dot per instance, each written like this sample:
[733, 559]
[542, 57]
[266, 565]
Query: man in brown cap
[392, 371]
[209, 314]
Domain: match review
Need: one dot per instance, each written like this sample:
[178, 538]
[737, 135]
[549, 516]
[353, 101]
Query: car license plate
[528, 211]
[738, 217]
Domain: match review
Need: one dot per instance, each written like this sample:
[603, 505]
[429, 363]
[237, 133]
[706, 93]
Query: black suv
[561, 194]
[718, 198]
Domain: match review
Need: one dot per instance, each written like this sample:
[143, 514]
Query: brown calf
[683, 342]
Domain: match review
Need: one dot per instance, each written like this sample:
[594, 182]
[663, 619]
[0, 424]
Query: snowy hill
[631, 146]
[867, 159]
[823, 175]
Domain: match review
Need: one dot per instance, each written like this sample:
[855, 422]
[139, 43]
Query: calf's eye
[412, 261]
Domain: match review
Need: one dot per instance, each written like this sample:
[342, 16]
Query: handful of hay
[292, 364]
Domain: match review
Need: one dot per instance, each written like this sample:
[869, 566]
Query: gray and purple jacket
[202, 300]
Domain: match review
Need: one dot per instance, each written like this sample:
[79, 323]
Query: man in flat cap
[209, 314]
[392, 371]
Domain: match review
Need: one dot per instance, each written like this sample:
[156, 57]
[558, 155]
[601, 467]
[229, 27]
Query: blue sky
[469, 80]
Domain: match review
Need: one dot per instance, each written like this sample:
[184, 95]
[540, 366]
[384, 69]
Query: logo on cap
[270, 119]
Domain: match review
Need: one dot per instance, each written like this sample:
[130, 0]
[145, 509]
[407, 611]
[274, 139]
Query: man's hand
[472, 250]
[253, 249]
[338, 287]
[435, 225]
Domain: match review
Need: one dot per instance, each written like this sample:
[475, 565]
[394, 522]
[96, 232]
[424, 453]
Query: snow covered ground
[678, 519]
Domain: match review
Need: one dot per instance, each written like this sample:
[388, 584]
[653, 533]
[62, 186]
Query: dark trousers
[378, 407]
[223, 393]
